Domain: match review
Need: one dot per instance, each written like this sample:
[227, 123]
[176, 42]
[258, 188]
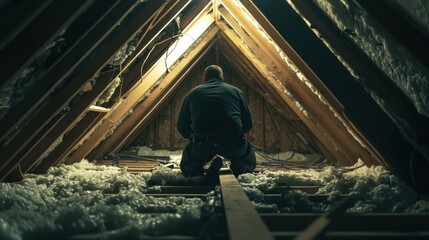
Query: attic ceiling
[84, 85]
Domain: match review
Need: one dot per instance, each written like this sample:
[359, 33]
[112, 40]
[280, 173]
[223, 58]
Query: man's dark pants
[200, 151]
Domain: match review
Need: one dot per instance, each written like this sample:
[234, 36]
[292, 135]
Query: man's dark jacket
[214, 107]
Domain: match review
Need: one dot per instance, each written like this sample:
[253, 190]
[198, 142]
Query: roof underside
[100, 71]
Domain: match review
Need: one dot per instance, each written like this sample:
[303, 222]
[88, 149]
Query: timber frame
[53, 124]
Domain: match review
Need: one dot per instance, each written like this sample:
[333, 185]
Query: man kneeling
[214, 117]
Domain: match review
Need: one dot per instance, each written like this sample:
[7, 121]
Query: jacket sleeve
[246, 114]
[184, 120]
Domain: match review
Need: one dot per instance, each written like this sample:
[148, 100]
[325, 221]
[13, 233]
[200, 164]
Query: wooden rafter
[98, 29]
[277, 89]
[84, 72]
[86, 101]
[371, 77]
[131, 99]
[42, 31]
[400, 28]
[122, 132]
[146, 110]
[325, 114]
[70, 140]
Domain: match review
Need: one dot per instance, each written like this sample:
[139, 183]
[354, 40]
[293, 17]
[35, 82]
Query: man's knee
[246, 164]
[189, 166]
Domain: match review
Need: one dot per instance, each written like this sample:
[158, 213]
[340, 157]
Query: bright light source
[177, 49]
[187, 39]
[95, 108]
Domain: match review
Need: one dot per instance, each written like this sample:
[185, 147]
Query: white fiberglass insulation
[415, 9]
[371, 189]
[84, 198]
[406, 72]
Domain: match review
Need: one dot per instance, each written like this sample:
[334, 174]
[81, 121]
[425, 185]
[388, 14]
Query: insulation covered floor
[85, 198]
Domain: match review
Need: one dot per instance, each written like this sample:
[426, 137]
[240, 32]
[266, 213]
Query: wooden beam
[349, 221]
[84, 72]
[278, 89]
[242, 219]
[327, 112]
[150, 34]
[131, 99]
[70, 140]
[317, 228]
[146, 110]
[133, 73]
[402, 114]
[16, 15]
[311, 103]
[42, 30]
[202, 7]
[97, 29]
[400, 28]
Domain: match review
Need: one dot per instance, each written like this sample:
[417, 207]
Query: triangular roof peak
[98, 57]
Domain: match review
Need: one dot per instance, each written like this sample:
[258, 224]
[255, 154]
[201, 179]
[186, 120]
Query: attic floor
[332, 224]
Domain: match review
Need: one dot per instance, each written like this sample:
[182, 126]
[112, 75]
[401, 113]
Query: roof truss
[236, 27]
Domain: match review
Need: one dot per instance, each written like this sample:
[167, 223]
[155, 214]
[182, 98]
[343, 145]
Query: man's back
[216, 107]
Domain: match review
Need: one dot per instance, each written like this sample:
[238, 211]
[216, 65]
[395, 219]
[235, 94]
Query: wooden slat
[175, 8]
[317, 228]
[349, 221]
[122, 133]
[16, 15]
[85, 71]
[69, 141]
[242, 219]
[400, 108]
[400, 28]
[134, 96]
[54, 131]
[277, 89]
[328, 124]
[42, 30]
[115, 14]
[97, 29]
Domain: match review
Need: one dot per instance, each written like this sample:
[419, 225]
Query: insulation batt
[84, 198]
[372, 189]
[408, 74]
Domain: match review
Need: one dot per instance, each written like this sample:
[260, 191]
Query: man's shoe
[212, 175]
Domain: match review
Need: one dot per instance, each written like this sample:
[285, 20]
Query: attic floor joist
[238, 218]
[243, 31]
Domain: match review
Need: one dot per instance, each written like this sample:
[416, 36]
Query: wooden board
[241, 216]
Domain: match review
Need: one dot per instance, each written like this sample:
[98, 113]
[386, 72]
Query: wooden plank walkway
[241, 216]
